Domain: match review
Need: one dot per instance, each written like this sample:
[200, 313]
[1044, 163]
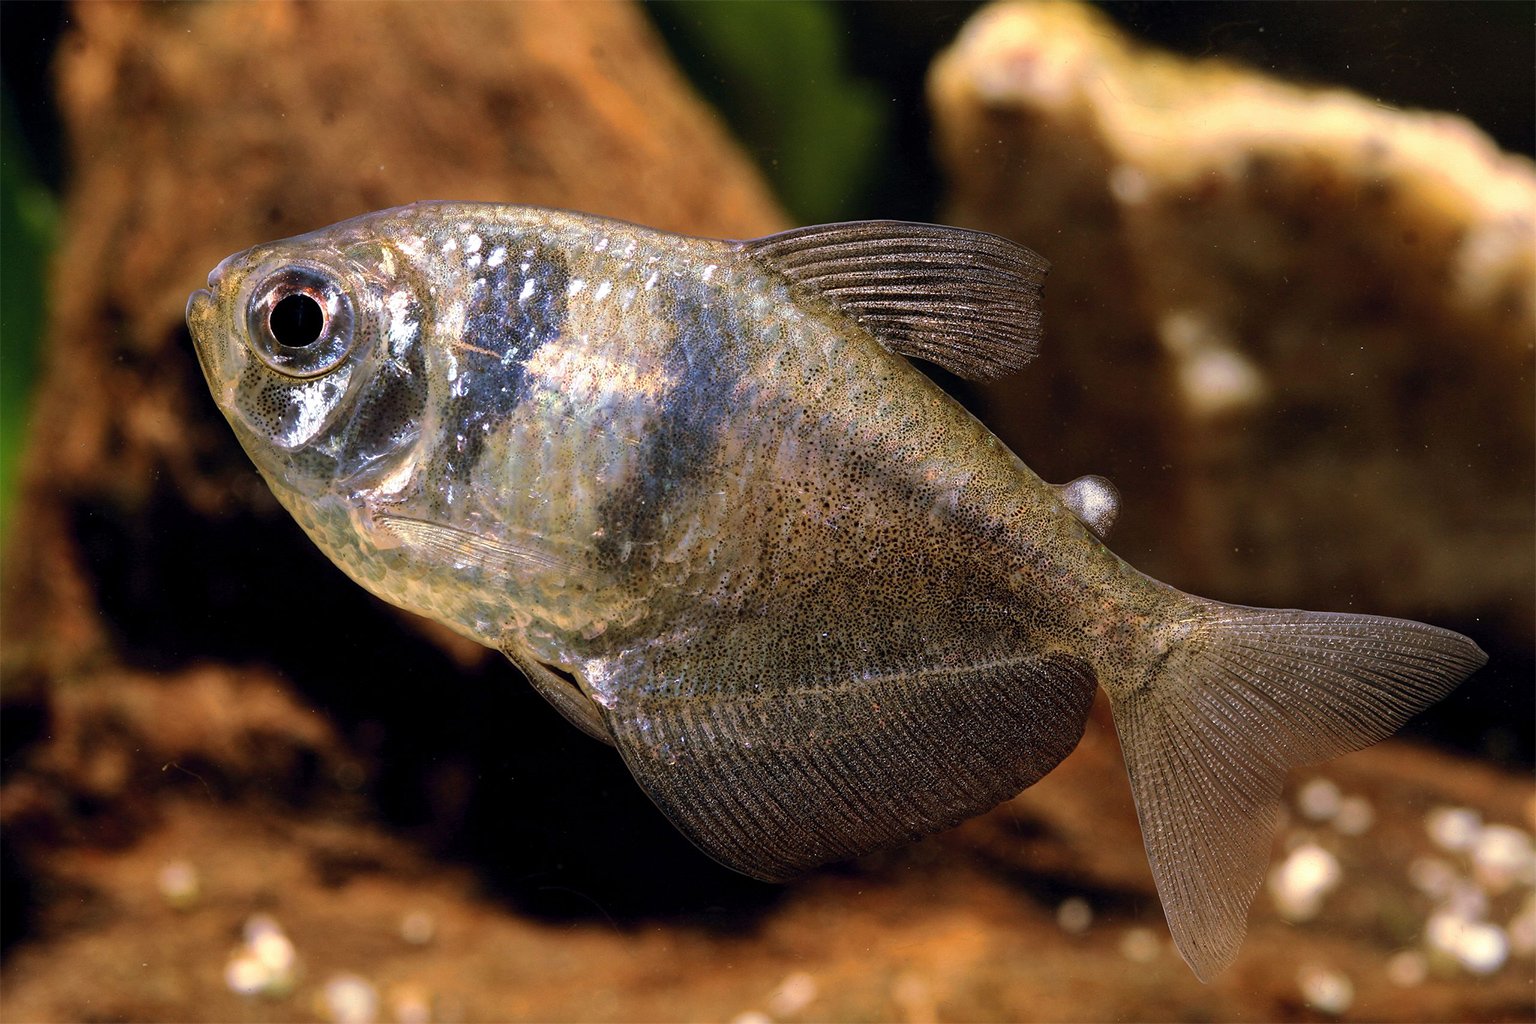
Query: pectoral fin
[773, 781]
[561, 691]
[966, 300]
[505, 556]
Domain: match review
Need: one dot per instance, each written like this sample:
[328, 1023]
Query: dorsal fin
[1094, 500]
[966, 300]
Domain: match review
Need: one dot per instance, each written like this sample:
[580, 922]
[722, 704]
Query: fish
[701, 493]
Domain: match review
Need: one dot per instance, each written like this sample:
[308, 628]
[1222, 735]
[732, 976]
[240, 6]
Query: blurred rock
[1294, 326]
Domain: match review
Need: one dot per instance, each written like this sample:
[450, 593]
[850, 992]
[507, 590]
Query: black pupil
[297, 321]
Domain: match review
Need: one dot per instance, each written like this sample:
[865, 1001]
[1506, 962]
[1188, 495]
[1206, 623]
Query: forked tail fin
[1248, 694]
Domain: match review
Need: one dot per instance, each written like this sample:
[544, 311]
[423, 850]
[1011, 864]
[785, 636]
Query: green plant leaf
[778, 73]
[28, 215]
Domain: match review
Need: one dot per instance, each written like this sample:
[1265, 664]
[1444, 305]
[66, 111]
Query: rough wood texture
[198, 131]
[186, 680]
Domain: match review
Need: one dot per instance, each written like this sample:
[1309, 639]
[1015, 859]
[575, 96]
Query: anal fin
[774, 781]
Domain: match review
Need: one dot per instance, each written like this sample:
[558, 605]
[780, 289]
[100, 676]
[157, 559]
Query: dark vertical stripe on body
[706, 361]
[500, 335]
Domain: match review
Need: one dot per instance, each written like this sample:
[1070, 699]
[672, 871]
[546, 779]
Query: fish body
[696, 491]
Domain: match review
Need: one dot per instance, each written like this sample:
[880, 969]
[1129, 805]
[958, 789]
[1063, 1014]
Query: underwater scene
[733, 452]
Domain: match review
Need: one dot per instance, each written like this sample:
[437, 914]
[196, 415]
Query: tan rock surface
[1295, 327]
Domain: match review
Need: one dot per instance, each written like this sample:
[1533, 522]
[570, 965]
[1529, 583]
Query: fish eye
[299, 321]
[296, 321]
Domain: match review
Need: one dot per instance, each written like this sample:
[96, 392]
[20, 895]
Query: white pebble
[1128, 184]
[179, 884]
[349, 999]
[1300, 882]
[916, 998]
[1501, 856]
[418, 927]
[1483, 948]
[266, 962]
[1477, 945]
[794, 994]
[245, 975]
[1355, 817]
[274, 950]
[1319, 800]
[1466, 899]
[258, 925]
[410, 1004]
[1074, 915]
[1443, 929]
[1407, 968]
[1139, 945]
[1453, 828]
[1431, 876]
[1325, 990]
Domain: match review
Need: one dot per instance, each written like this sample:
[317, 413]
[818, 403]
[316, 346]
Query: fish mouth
[200, 302]
[196, 303]
[214, 357]
[199, 308]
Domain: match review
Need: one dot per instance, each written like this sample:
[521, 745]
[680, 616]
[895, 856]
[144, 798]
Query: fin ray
[1247, 695]
[505, 557]
[773, 782]
[966, 300]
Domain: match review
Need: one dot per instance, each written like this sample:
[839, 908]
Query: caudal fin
[1247, 695]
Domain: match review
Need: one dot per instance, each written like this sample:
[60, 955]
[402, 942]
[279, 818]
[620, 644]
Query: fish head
[311, 347]
[333, 357]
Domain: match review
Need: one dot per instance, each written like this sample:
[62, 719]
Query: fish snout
[216, 355]
[199, 311]
[197, 304]
[199, 314]
[202, 305]
[217, 273]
